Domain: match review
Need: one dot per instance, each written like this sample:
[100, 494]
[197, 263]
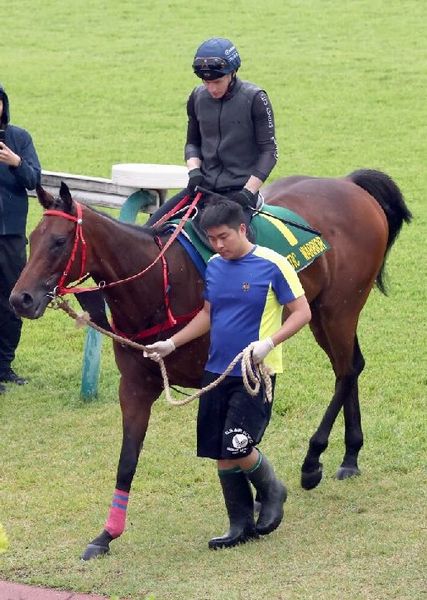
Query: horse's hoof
[346, 472]
[93, 551]
[312, 479]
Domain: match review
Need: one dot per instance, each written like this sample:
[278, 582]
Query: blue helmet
[215, 58]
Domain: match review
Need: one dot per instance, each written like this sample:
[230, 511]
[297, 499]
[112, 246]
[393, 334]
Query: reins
[253, 375]
[171, 319]
[61, 290]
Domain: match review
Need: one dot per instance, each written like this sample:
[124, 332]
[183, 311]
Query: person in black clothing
[231, 146]
[19, 170]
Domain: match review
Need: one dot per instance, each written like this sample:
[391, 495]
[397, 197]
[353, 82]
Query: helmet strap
[232, 82]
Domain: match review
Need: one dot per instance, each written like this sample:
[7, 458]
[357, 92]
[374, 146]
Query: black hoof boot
[310, 480]
[272, 495]
[346, 472]
[240, 508]
[98, 547]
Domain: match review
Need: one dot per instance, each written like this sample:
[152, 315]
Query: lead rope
[252, 375]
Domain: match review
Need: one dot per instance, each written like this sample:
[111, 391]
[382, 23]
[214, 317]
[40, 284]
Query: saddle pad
[275, 227]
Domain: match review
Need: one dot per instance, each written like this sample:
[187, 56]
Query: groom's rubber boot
[272, 495]
[240, 508]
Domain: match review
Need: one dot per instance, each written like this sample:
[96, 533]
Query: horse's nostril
[26, 300]
[21, 301]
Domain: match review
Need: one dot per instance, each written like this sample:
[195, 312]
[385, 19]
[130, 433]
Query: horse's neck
[115, 253]
[116, 250]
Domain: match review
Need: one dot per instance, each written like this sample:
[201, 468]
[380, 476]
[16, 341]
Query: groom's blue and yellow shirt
[246, 297]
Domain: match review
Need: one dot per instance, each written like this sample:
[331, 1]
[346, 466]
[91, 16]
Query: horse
[359, 215]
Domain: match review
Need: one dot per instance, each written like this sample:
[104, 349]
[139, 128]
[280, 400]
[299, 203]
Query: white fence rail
[126, 180]
[90, 190]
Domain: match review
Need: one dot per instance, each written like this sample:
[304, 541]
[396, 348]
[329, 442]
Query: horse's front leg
[136, 410]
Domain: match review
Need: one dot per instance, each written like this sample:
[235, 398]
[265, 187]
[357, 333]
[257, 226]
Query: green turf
[98, 83]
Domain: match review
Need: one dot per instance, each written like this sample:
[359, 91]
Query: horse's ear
[65, 195]
[45, 199]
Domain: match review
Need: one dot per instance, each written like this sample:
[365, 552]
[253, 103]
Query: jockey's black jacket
[233, 136]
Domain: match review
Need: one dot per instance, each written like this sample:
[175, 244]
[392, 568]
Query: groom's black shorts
[230, 421]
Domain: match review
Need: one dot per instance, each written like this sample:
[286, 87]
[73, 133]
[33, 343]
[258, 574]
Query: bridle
[62, 290]
[79, 242]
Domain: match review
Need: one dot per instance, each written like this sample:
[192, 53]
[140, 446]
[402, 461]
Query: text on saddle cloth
[275, 227]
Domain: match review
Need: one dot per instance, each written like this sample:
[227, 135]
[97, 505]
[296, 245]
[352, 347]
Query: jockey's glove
[261, 348]
[195, 178]
[245, 198]
[159, 349]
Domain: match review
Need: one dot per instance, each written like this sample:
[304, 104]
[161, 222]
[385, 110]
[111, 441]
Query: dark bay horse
[359, 215]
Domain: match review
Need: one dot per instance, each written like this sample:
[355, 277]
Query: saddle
[272, 226]
[275, 227]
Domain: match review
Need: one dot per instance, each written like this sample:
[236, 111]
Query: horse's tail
[382, 187]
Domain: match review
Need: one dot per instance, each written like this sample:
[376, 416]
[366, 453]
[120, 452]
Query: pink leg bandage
[116, 520]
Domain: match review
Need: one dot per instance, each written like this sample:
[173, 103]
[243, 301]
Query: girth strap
[171, 320]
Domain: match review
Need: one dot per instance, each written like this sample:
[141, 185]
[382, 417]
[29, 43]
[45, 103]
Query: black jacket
[15, 181]
[234, 136]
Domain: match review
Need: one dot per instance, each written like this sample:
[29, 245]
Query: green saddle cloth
[281, 230]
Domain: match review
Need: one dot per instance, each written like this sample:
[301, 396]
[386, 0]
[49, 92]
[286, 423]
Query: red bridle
[60, 289]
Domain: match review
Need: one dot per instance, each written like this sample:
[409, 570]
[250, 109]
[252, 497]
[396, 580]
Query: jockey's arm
[193, 163]
[263, 119]
[253, 184]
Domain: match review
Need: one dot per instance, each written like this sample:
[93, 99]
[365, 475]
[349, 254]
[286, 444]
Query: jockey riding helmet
[215, 58]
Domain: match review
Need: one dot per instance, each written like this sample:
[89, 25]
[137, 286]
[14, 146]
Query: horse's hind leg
[336, 335]
[353, 426]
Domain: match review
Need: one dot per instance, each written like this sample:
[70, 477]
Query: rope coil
[253, 375]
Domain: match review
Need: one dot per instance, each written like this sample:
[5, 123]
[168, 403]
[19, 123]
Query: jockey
[231, 146]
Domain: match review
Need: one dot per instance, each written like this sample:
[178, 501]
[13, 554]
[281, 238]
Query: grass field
[98, 83]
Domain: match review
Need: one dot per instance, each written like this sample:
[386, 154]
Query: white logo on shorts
[240, 440]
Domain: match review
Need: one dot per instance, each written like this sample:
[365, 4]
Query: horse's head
[51, 245]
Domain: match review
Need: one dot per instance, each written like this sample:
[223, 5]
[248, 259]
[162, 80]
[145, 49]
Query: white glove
[261, 348]
[159, 349]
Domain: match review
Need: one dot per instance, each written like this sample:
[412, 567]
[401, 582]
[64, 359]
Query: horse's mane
[145, 229]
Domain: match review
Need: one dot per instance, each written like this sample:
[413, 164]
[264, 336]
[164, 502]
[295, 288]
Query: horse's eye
[58, 242]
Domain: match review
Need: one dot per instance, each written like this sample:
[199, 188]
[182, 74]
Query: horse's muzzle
[26, 305]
